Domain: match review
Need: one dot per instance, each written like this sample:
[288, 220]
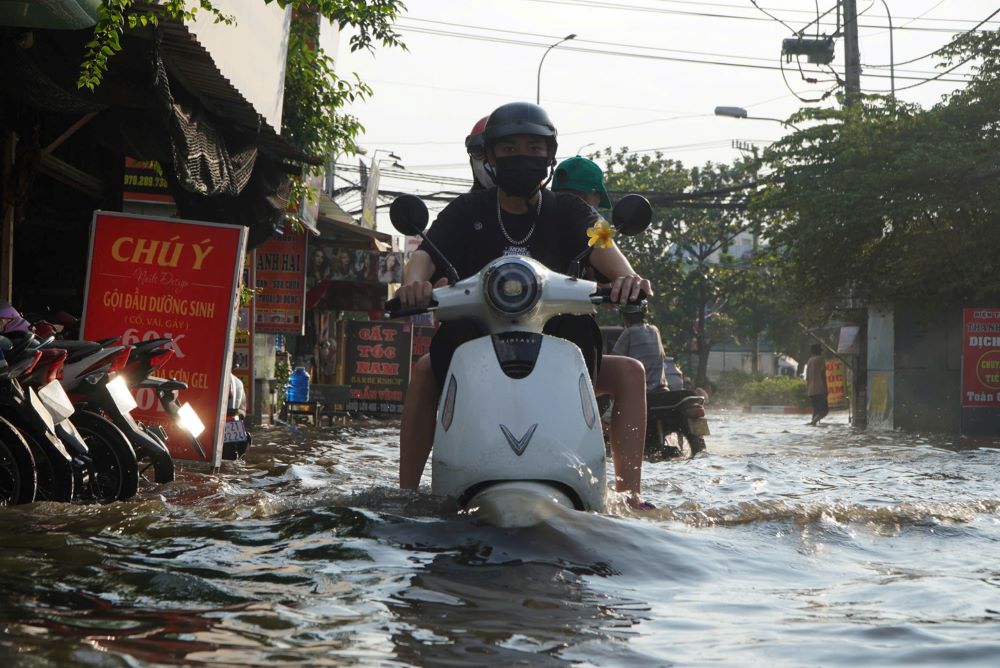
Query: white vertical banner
[370, 201]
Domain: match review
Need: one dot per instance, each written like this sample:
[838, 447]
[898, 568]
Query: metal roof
[58, 14]
[190, 64]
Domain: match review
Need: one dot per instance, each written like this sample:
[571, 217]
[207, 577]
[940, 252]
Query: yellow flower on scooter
[601, 234]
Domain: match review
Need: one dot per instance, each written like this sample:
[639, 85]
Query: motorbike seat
[164, 384]
[659, 401]
[77, 349]
[151, 344]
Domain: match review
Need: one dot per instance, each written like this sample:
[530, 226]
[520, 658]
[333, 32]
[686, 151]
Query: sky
[641, 74]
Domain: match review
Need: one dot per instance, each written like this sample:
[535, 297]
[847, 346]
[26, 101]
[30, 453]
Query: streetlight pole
[892, 57]
[538, 90]
[740, 112]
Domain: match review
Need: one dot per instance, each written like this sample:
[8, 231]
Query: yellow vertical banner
[835, 386]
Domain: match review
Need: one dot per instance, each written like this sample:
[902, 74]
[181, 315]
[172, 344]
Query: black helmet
[520, 118]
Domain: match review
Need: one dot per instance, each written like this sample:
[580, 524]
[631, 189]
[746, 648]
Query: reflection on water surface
[784, 545]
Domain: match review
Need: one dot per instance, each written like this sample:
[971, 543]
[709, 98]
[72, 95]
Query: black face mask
[520, 175]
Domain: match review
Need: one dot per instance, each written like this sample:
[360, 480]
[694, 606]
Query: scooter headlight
[512, 287]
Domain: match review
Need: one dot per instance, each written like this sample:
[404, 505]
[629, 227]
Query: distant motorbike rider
[515, 217]
[642, 341]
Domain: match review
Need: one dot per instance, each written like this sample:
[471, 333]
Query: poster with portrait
[330, 262]
[390, 268]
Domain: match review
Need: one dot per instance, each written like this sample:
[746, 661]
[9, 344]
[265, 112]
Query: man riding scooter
[520, 145]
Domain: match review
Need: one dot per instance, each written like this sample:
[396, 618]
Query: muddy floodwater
[783, 545]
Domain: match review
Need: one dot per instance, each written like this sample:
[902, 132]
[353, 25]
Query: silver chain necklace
[538, 212]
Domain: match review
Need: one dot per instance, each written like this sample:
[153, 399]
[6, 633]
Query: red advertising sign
[162, 277]
[422, 335]
[377, 366]
[981, 358]
[281, 277]
[836, 394]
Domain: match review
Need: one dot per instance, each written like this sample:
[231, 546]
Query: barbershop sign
[981, 358]
[162, 277]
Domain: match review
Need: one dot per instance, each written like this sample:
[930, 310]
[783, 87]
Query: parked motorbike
[235, 439]
[18, 479]
[517, 426]
[104, 462]
[56, 469]
[146, 359]
[680, 413]
[90, 377]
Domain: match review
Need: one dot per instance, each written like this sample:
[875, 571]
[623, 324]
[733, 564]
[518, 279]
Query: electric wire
[624, 54]
[599, 4]
[942, 48]
[790, 29]
[584, 41]
[547, 38]
[921, 83]
[704, 3]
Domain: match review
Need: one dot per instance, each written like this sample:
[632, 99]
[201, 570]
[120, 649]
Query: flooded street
[784, 545]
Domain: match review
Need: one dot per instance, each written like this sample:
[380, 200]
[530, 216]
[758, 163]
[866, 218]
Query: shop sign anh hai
[281, 278]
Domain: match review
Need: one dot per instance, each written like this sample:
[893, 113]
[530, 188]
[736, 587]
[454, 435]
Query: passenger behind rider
[618, 378]
[475, 146]
[520, 146]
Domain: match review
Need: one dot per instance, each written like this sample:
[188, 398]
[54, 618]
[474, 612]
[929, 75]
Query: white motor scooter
[517, 426]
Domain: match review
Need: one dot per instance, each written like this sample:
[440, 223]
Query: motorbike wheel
[155, 455]
[696, 443]
[17, 467]
[114, 471]
[55, 473]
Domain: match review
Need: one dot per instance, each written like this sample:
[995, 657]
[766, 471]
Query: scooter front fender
[543, 427]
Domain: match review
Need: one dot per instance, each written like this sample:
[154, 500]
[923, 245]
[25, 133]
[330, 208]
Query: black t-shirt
[468, 234]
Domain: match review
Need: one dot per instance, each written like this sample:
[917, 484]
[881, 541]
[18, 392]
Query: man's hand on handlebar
[417, 294]
[626, 289]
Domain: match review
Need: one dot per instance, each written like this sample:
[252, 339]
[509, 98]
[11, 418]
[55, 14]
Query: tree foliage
[703, 292]
[887, 201]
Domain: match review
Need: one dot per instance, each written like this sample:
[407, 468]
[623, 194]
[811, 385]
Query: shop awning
[337, 225]
[55, 14]
[189, 63]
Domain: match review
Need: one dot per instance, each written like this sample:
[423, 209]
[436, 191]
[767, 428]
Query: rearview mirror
[632, 214]
[409, 215]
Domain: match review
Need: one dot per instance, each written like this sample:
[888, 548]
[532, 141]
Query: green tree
[885, 201]
[701, 288]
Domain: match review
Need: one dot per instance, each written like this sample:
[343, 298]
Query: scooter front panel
[531, 428]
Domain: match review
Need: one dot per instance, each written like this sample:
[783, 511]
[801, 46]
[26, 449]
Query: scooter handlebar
[604, 296]
[393, 308]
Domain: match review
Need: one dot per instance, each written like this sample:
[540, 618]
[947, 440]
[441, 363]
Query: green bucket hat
[579, 173]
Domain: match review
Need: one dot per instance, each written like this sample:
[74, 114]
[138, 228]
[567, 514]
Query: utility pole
[852, 62]
[852, 52]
